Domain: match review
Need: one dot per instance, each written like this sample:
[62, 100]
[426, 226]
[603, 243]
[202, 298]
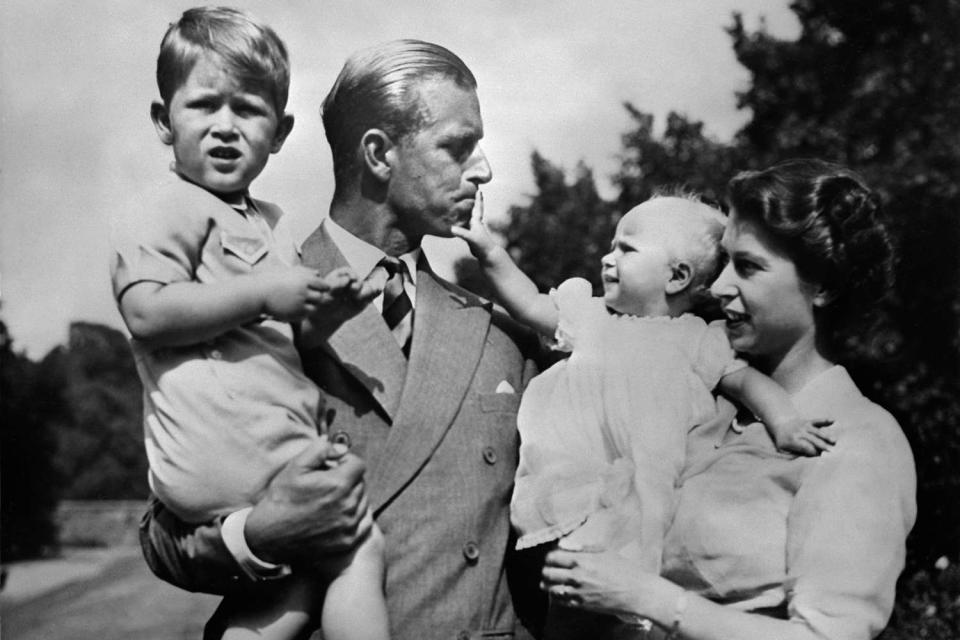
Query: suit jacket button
[463, 635]
[471, 552]
[490, 455]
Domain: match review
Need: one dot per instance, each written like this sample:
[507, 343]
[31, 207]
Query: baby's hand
[343, 286]
[340, 296]
[290, 294]
[476, 234]
[804, 437]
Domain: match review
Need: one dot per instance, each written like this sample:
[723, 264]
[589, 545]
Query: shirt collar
[362, 256]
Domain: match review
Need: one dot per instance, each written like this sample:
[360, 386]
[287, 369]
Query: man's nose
[478, 170]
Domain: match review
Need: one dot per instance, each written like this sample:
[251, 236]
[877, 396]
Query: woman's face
[768, 307]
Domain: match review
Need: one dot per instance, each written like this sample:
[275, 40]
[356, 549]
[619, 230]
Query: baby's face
[637, 269]
[222, 132]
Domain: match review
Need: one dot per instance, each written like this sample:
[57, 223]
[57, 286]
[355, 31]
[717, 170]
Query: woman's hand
[607, 582]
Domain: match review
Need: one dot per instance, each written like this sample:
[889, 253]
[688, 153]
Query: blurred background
[588, 107]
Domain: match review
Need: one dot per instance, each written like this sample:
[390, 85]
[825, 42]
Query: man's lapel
[362, 345]
[449, 331]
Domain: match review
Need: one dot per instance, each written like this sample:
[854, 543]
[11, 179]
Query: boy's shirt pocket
[247, 247]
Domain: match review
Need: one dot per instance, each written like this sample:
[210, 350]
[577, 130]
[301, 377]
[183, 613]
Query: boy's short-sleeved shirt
[228, 412]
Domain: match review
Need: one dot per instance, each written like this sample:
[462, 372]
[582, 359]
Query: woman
[763, 544]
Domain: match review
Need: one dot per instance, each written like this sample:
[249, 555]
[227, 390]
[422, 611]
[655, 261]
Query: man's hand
[312, 508]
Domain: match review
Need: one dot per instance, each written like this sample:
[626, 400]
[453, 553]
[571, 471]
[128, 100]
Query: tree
[27, 448]
[99, 422]
[564, 231]
[684, 156]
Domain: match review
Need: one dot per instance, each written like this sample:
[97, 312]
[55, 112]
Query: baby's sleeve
[155, 241]
[715, 358]
[573, 299]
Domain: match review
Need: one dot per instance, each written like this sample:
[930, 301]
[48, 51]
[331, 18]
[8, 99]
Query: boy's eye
[249, 110]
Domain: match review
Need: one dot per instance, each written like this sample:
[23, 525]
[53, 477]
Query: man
[426, 397]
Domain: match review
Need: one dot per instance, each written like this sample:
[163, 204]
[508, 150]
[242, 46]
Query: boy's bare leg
[354, 607]
[285, 610]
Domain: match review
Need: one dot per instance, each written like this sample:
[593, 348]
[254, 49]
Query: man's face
[435, 172]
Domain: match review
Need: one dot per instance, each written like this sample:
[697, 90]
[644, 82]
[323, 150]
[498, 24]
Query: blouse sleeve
[847, 529]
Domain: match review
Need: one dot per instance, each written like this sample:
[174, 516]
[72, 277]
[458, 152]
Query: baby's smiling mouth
[225, 153]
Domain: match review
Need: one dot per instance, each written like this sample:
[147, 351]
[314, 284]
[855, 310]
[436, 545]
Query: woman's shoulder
[863, 429]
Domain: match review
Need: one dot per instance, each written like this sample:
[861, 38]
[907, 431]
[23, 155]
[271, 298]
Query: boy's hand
[289, 295]
[476, 234]
[804, 437]
[341, 295]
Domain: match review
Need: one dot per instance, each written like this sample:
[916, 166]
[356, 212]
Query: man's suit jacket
[438, 433]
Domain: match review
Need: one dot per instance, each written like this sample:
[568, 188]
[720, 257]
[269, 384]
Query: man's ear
[161, 121]
[378, 153]
[681, 275]
[284, 127]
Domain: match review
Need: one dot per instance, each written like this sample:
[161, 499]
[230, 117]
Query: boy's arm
[511, 286]
[182, 313]
[772, 405]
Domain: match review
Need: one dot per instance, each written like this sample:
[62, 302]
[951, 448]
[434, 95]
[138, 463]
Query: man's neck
[373, 223]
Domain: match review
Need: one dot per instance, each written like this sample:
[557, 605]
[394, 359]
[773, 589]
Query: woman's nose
[723, 287]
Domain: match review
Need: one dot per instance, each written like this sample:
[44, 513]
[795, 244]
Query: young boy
[206, 279]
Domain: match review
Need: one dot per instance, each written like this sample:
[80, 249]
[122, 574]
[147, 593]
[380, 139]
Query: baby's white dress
[606, 428]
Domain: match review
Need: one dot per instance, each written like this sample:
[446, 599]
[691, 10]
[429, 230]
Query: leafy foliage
[27, 449]
[99, 423]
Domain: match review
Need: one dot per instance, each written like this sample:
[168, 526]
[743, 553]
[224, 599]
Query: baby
[603, 432]
[207, 280]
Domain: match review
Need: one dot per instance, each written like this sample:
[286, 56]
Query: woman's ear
[681, 275]
[161, 121]
[378, 152]
[822, 297]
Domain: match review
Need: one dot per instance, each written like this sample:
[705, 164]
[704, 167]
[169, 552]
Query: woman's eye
[745, 267]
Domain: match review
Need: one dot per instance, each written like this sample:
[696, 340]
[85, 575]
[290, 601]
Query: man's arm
[309, 512]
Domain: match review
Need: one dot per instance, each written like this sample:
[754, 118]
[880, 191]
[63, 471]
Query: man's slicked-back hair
[248, 49]
[376, 89]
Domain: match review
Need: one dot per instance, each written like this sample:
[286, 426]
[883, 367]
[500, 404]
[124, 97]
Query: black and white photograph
[449, 320]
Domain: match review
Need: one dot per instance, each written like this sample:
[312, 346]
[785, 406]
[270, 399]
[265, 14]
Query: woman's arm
[609, 583]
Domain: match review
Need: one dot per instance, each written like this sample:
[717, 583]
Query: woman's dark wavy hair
[831, 225]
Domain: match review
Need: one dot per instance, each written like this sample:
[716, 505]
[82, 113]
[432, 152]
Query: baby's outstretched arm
[182, 313]
[771, 404]
[514, 290]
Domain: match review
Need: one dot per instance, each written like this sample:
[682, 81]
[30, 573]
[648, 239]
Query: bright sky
[76, 142]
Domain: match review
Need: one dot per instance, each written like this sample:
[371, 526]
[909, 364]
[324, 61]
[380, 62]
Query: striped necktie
[397, 308]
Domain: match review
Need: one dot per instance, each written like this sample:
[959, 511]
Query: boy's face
[222, 132]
